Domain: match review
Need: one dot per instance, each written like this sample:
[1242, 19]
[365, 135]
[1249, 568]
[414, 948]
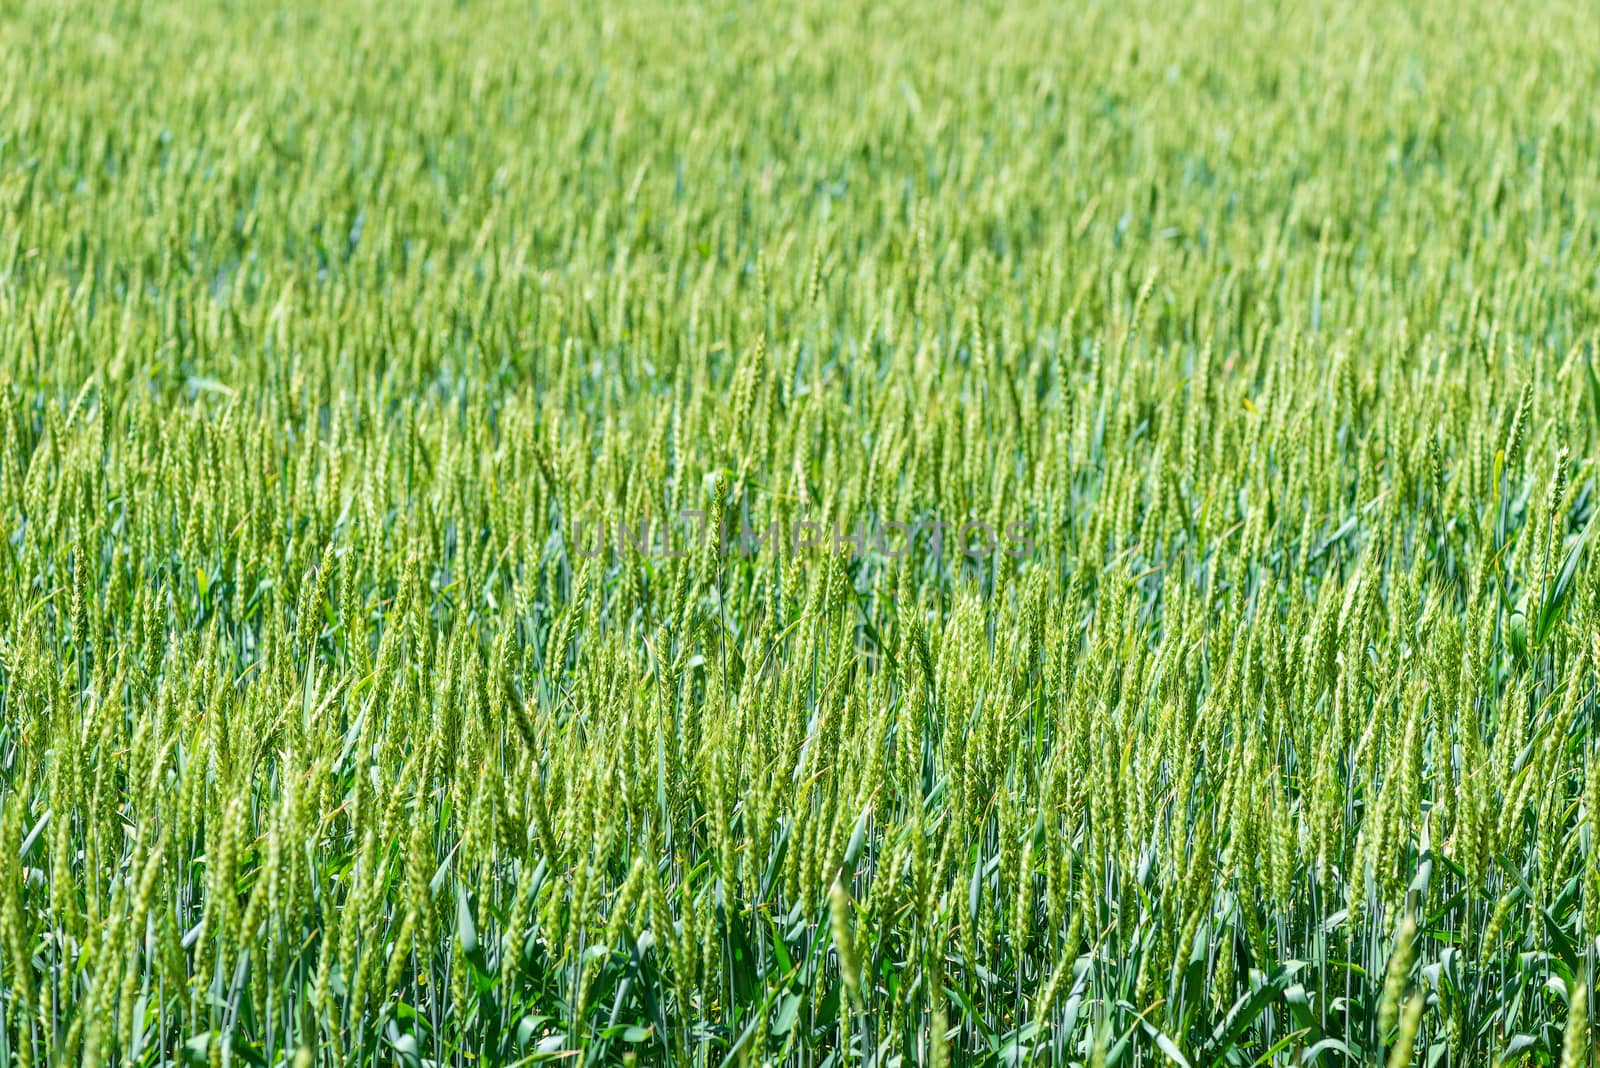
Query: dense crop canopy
[799, 534]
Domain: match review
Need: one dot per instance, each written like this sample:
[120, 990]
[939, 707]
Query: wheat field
[776, 534]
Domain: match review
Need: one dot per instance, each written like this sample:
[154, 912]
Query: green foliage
[324, 740]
